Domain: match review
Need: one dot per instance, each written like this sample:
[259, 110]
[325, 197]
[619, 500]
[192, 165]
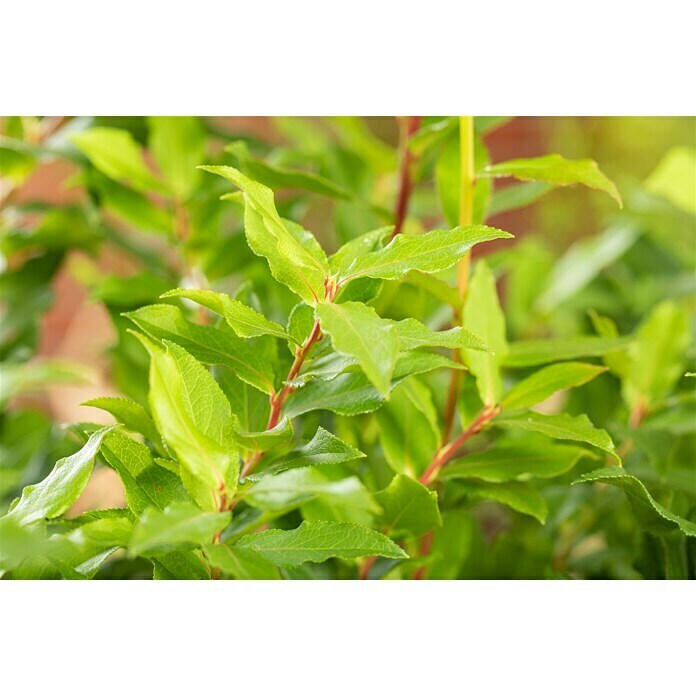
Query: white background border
[362, 57]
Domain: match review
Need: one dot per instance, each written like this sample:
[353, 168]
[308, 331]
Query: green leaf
[484, 316]
[430, 252]
[195, 420]
[652, 516]
[413, 334]
[357, 330]
[316, 541]
[62, 487]
[130, 413]
[547, 381]
[240, 563]
[556, 170]
[146, 484]
[276, 177]
[408, 428]
[408, 507]
[538, 352]
[515, 460]
[521, 497]
[179, 565]
[351, 393]
[561, 427]
[115, 153]
[265, 439]
[208, 344]
[584, 261]
[178, 144]
[294, 256]
[439, 289]
[658, 355]
[359, 246]
[294, 487]
[178, 525]
[323, 448]
[674, 178]
[245, 321]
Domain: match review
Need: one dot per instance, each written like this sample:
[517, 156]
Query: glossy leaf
[414, 334]
[130, 413]
[357, 330]
[431, 252]
[241, 563]
[408, 507]
[62, 487]
[294, 256]
[195, 420]
[208, 344]
[316, 541]
[178, 525]
[245, 321]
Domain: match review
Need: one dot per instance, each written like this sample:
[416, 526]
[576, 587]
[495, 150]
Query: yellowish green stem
[466, 193]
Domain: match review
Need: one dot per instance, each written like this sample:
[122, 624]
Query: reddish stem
[279, 398]
[405, 181]
[445, 453]
[425, 546]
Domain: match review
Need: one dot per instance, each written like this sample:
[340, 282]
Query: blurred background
[72, 242]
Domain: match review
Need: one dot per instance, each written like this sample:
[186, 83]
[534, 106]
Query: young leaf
[323, 448]
[652, 516]
[484, 316]
[241, 563]
[556, 170]
[413, 334]
[316, 541]
[245, 321]
[206, 343]
[515, 460]
[355, 248]
[178, 144]
[195, 420]
[538, 352]
[146, 484]
[265, 439]
[431, 252]
[115, 153]
[547, 381]
[295, 487]
[357, 330]
[561, 427]
[62, 487]
[130, 413]
[178, 525]
[521, 497]
[295, 258]
[351, 393]
[408, 507]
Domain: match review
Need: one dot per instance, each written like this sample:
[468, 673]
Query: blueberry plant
[365, 400]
